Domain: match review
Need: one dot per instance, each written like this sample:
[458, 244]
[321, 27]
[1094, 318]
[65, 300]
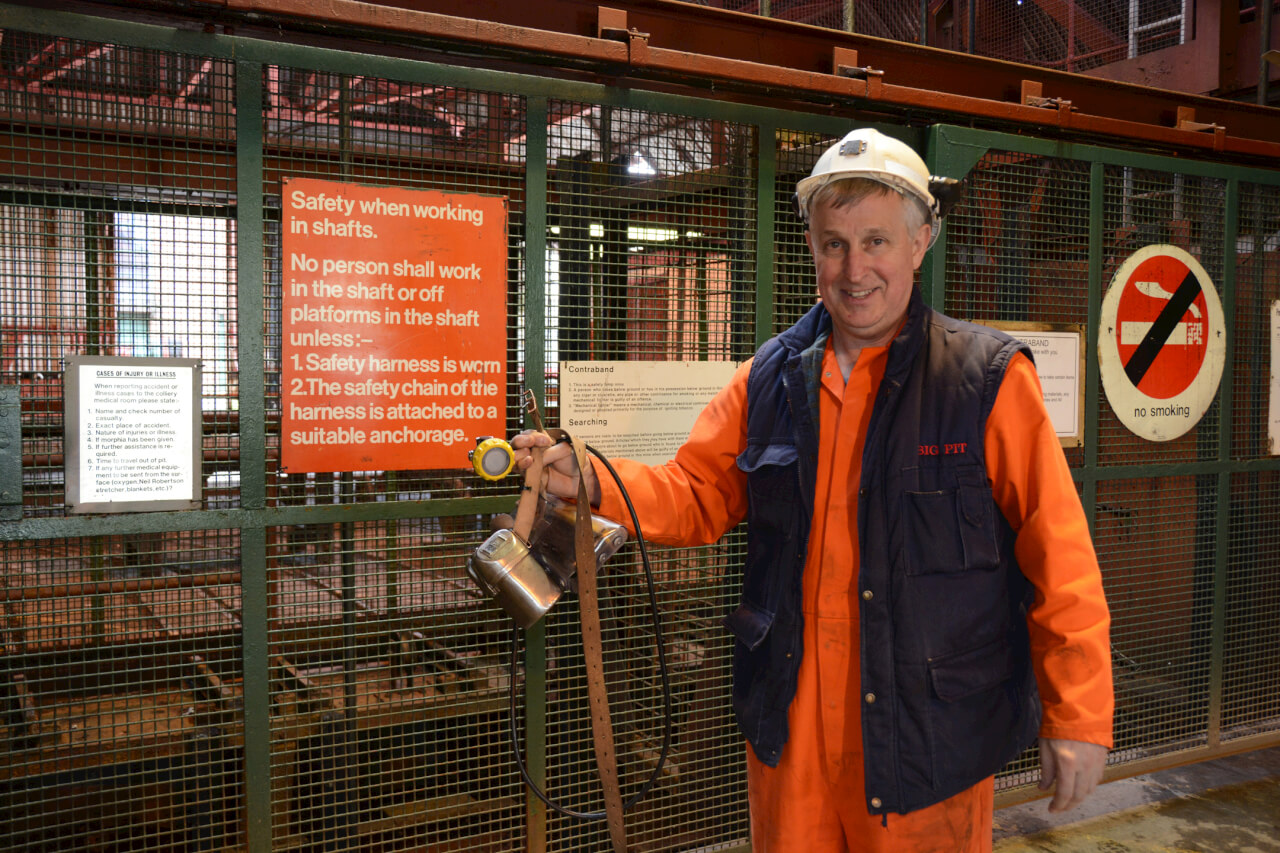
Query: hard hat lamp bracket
[853, 147]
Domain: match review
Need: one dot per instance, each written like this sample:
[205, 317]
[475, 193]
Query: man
[917, 555]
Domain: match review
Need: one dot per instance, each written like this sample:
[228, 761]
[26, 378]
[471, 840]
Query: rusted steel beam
[111, 162]
[694, 45]
[117, 587]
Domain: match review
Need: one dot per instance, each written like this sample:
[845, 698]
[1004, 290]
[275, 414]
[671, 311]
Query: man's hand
[562, 467]
[1075, 766]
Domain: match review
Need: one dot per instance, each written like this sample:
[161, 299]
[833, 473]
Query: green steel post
[250, 252]
[535, 312]
[253, 540]
[1093, 379]
[1226, 428]
[766, 178]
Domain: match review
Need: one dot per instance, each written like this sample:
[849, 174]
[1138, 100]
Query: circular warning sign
[1162, 342]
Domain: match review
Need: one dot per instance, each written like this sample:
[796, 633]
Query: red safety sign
[1162, 342]
[393, 322]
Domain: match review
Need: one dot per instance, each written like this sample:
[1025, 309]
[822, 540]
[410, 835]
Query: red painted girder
[695, 46]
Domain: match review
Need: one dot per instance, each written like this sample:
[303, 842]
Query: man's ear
[920, 244]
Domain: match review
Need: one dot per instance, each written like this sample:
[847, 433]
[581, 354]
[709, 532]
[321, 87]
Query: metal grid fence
[651, 223]
[124, 714]
[1251, 660]
[651, 256]
[1144, 207]
[794, 288]
[301, 663]
[1041, 235]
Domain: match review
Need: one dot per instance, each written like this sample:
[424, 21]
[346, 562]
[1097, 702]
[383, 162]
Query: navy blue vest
[945, 652]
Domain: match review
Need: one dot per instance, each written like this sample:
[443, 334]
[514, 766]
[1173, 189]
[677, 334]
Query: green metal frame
[951, 151]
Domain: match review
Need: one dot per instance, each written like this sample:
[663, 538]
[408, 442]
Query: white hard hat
[868, 153]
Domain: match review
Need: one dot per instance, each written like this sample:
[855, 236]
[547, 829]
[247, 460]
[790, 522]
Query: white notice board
[1059, 355]
[132, 434]
[641, 410]
[1273, 413]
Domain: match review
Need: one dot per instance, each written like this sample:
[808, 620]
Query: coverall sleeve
[1069, 623]
[701, 494]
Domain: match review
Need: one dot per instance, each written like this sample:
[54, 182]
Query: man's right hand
[562, 467]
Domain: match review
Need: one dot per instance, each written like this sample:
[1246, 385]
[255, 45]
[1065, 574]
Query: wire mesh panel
[1018, 249]
[880, 18]
[683, 721]
[1017, 244]
[1155, 539]
[1257, 287]
[354, 130]
[121, 675]
[651, 256]
[652, 244]
[1074, 36]
[323, 615]
[109, 246]
[1146, 207]
[1251, 666]
[387, 671]
[389, 692]
[795, 288]
[121, 686]
[884, 19]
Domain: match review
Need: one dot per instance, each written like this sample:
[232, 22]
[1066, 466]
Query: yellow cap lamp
[492, 459]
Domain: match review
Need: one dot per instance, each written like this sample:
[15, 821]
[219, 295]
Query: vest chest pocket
[772, 479]
[951, 529]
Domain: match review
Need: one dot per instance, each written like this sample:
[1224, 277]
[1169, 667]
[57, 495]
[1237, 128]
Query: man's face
[866, 262]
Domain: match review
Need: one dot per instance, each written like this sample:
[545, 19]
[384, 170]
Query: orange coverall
[813, 801]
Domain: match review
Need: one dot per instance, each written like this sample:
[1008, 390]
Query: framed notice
[132, 434]
[1059, 354]
[641, 410]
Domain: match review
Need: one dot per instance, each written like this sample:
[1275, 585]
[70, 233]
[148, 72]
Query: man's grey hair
[846, 191]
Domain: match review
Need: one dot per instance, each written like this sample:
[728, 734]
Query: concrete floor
[1229, 805]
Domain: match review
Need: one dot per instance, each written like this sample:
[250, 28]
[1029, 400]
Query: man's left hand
[1075, 767]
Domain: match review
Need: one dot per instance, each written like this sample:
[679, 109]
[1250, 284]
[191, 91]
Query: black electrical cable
[668, 715]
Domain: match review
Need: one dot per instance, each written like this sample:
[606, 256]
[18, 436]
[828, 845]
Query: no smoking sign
[1162, 342]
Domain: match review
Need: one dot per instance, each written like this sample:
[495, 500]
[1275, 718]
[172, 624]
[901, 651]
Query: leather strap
[593, 651]
[589, 614]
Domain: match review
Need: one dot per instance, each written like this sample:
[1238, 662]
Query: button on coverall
[814, 800]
